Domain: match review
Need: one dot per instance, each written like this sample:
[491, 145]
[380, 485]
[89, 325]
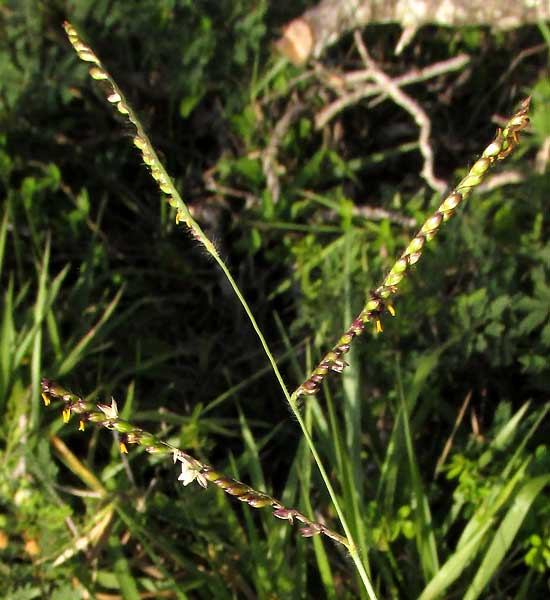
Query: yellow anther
[123, 448]
[66, 415]
[46, 399]
[391, 309]
[81, 425]
[379, 328]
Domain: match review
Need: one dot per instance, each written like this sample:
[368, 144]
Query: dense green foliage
[101, 291]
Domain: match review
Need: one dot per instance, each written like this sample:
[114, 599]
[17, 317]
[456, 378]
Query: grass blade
[425, 536]
[505, 534]
[3, 234]
[453, 567]
[126, 582]
[76, 353]
[7, 341]
[39, 313]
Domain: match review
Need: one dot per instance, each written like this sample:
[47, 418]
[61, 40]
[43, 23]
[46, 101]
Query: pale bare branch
[412, 107]
[361, 90]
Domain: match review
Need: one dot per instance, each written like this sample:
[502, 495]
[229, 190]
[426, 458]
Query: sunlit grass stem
[166, 185]
[378, 301]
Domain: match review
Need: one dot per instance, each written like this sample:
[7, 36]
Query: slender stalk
[352, 547]
[166, 185]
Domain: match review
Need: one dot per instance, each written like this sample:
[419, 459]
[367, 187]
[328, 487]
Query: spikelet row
[141, 141]
[106, 415]
[505, 141]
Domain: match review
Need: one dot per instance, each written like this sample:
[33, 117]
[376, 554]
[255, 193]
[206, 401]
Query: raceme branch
[378, 302]
[106, 416]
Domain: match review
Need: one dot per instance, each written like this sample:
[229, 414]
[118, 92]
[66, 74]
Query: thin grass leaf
[298, 478]
[160, 549]
[54, 336]
[471, 541]
[254, 464]
[7, 340]
[257, 86]
[254, 549]
[321, 558]
[425, 534]
[26, 337]
[526, 586]
[499, 494]
[89, 537]
[545, 32]
[504, 437]
[125, 580]
[502, 440]
[333, 445]
[389, 472]
[39, 313]
[76, 466]
[351, 387]
[453, 567]
[505, 534]
[3, 236]
[301, 471]
[325, 252]
[520, 447]
[75, 355]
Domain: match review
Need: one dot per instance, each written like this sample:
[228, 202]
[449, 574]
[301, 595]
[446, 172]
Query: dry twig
[324, 23]
[361, 90]
[412, 107]
[269, 155]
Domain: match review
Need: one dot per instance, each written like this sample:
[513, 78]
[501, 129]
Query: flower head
[191, 470]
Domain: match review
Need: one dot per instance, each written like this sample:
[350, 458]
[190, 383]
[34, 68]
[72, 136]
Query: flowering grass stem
[106, 416]
[378, 302]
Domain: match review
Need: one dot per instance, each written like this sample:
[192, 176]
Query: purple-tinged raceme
[106, 415]
[503, 144]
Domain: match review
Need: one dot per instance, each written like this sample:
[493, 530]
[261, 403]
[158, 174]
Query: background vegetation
[435, 438]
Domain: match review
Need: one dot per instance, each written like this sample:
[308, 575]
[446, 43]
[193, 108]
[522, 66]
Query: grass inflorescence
[106, 416]
[377, 303]
[141, 141]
